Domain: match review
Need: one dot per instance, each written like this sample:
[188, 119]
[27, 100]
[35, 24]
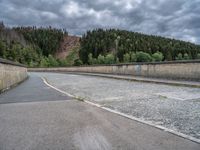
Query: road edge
[123, 114]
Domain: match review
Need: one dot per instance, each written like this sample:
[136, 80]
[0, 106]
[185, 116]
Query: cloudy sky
[170, 18]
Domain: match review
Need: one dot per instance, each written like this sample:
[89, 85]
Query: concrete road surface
[174, 107]
[36, 117]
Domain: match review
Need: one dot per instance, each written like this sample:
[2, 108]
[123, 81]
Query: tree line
[36, 47]
[31, 45]
[126, 46]
[47, 39]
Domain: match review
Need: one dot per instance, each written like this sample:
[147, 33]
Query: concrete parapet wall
[11, 74]
[187, 70]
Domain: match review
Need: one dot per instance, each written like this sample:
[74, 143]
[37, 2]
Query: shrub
[126, 58]
[186, 56]
[44, 62]
[52, 61]
[143, 57]
[101, 59]
[62, 62]
[179, 57]
[198, 56]
[33, 64]
[133, 57]
[90, 59]
[110, 59]
[94, 61]
[78, 62]
[158, 56]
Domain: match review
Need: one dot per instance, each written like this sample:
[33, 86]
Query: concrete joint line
[124, 115]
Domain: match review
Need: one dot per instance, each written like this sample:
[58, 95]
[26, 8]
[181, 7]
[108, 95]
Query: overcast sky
[171, 18]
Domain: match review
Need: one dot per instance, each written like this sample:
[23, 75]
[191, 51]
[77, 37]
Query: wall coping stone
[5, 61]
[134, 63]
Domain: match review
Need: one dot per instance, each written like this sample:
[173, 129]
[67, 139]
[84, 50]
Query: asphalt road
[36, 117]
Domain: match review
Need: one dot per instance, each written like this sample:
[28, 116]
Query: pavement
[33, 116]
[174, 107]
[185, 83]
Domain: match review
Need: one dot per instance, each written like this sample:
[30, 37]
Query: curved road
[35, 117]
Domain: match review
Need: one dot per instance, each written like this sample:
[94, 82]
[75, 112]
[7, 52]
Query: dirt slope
[66, 46]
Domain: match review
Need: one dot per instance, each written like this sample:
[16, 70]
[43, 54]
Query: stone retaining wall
[187, 70]
[11, 73]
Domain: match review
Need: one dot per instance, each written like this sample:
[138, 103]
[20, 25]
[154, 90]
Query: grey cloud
[171, 18]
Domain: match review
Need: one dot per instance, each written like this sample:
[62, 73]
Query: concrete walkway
[34, 116]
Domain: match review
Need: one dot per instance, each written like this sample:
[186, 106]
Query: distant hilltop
[47, 46]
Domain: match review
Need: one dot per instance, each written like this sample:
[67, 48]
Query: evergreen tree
[120, 42]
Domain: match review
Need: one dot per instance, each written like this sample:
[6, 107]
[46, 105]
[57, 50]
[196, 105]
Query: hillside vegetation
[67, 45]
[46, 39]
[15, 47]
[113, 46]
[51, 47]
[37, 47]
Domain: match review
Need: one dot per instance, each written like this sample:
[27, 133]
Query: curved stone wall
[186, 70]
[11, 74]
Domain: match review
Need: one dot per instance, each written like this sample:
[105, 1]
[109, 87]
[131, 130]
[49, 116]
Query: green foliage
[186, 56]
[101, 59]
[49, 61]
[72, 56]
[16, 52]
[62, 62]
[47, 39]
[109, 59]
[143, 57]
[52, 61]
[168, 56]
[2, 48]
[158, 56]
[120, 42]
[179, 57]
[30, 45]
[126, 58]
[97, 47]
[44, 62]
[198, 56]
[133, 57]
[90, 59]
[94, 61]
[31, 64]
[78, 62]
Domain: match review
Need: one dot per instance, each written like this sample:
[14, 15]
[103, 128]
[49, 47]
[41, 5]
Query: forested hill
[47, 47]
[46, 39]
[36, 46]
[122, 44]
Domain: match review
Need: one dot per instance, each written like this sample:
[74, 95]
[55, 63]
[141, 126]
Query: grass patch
[80, 98]
[162, 97]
